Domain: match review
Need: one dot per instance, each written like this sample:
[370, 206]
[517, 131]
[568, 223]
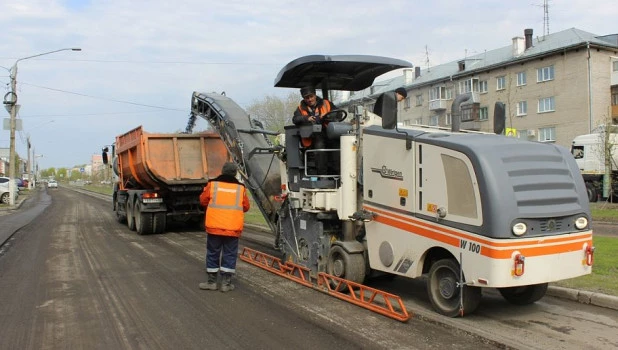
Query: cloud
[156, 53]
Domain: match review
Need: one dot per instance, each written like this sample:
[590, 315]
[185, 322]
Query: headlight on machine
[581, 223]
[519, 229]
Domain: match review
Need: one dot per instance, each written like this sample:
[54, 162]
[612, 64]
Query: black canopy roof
[340, 72]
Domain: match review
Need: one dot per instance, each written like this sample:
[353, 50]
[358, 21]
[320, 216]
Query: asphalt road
[75, 278]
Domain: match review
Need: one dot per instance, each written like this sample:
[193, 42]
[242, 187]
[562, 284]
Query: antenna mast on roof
[427, 57]
[546, 17]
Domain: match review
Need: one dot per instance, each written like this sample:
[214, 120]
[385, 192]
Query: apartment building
[554, 87]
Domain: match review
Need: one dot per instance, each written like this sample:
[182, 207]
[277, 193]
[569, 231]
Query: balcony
[437, 105]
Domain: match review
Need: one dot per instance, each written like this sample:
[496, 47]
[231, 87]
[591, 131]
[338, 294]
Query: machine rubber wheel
[6, 198]
[143, 221]
[159, 223]
[344, 265]
[444, 292]
[592, 192]
[130, 216]
[524, 295]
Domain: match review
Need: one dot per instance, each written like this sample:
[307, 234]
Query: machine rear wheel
[445, 293]
[524, 295]
[344, 265]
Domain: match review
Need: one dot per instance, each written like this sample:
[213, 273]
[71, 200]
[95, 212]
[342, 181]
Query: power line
[107, 99]
[80, 114]
[156, 62]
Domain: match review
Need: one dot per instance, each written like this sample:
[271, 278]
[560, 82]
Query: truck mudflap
[384, 303]
[249, 147]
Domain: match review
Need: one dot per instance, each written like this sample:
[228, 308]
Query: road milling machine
[468, 210]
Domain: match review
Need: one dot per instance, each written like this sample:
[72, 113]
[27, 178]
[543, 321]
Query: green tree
[62, 173]
[274, 112]
[49, 172]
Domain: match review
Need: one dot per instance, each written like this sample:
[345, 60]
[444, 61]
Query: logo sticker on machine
[403, 265]
[388, 173]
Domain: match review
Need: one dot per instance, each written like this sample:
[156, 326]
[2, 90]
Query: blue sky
[141, 60]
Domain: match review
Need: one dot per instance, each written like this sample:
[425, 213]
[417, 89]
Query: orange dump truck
[160, 176]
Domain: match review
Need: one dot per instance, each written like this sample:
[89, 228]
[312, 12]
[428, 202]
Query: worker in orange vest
[225, 200]
[311, 110]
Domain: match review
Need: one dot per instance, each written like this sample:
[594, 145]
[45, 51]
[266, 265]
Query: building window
[447, 119]
[522, 134]
[547, 134]
[469, 85]
[419, 100]
[615, 66]
[406, 103]
[437, 93]
[521, 78]
[418, 121]
[501, 83]
[483, 113]
[522, 108]
[547, 105]
[483, 86]
[433, 121]
[545, 74]
[466, 115]
[449, 94]
[615, 99]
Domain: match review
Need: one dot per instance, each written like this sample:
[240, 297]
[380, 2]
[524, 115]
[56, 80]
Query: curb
[581, 296]
[584, 297]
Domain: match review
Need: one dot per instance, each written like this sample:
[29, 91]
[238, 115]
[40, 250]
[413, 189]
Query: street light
[35, 171]
[12, 103]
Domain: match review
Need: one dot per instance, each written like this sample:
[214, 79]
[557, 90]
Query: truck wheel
[444, 290]
[524, 295]
[159, 223]
[344, 265]
[592, 192]
[143, 221]
[130, 216]
[119, 216]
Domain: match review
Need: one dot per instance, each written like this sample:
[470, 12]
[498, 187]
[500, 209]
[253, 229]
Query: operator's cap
[229, 169]
[402, 92]
[306, 91]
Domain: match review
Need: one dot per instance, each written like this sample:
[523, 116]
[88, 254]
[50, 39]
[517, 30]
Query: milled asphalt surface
[28, 206]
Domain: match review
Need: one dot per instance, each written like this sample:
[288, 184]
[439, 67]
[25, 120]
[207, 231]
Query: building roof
[503, 56]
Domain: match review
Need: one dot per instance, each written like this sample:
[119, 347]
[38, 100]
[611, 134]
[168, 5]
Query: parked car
[19, 183]
[52, 184]
[5, 196]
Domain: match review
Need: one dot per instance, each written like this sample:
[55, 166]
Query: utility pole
[29, 167]
[13, 113]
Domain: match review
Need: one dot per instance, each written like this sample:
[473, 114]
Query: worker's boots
[211, 284]
[226, 283]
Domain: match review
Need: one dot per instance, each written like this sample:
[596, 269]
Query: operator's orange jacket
[323, 106]
[226, 202]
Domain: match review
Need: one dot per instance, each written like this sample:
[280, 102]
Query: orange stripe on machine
[495, 249]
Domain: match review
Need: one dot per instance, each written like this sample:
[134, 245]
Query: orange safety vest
[323, 109]
[225, 215]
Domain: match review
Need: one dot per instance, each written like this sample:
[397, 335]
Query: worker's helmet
[306, 91]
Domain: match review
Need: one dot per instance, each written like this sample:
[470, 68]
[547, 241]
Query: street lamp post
[13, 115]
